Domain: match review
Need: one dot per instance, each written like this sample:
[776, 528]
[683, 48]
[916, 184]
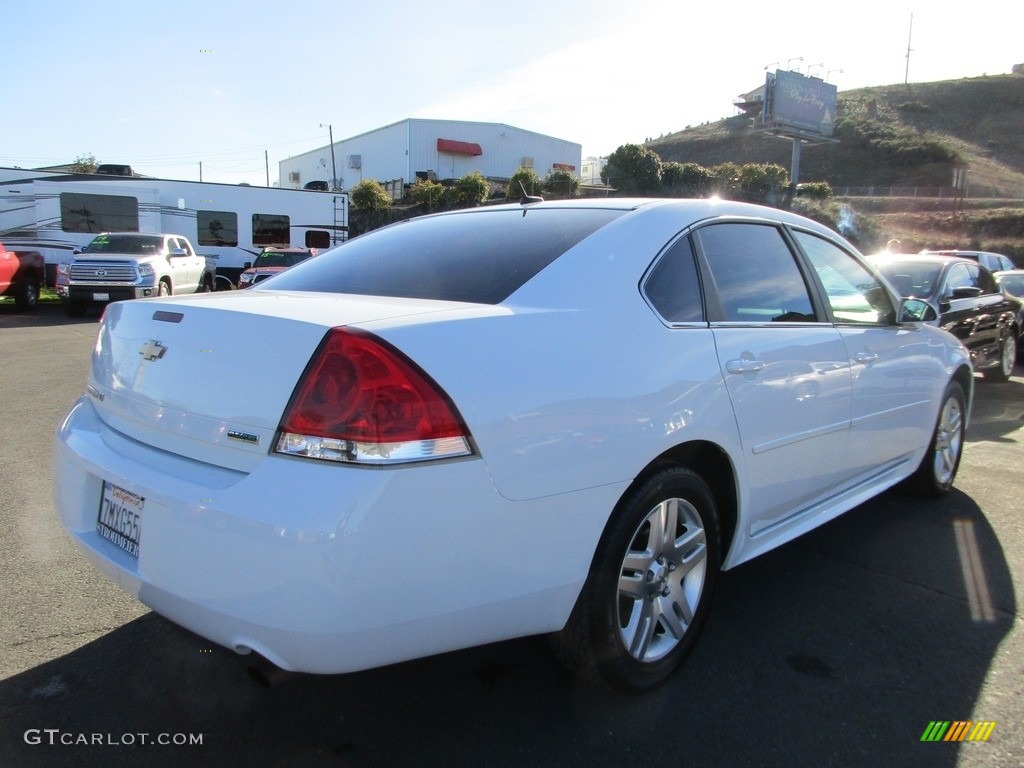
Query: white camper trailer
[55, 213]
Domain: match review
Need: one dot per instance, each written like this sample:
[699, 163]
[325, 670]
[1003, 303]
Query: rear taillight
[362, 401]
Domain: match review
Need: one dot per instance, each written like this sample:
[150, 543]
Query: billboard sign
[800, 102]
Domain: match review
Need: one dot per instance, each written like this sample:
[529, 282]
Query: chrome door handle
[865, 357]
[745, 366]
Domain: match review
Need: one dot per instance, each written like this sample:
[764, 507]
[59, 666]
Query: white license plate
[101, 297]
[120, 517]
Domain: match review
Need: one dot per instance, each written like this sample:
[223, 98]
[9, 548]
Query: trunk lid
[209, 376]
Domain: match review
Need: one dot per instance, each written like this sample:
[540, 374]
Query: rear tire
[650, 585]
[938, 468]
[163, 289]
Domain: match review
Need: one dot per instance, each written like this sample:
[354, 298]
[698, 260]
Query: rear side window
[480, 257]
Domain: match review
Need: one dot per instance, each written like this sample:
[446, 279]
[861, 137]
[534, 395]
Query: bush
[425, 192]
[471, 189]
[528, 179]
[685, 179]
[369, 195]
[561, 183]
[814, 190]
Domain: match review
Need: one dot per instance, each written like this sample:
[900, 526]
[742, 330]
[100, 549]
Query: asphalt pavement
[839, 649]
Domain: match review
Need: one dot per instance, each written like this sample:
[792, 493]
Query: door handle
[745, 366]
[865, 357]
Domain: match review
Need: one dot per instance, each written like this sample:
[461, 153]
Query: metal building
[436, 149]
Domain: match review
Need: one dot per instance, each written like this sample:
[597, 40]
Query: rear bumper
[327, 569]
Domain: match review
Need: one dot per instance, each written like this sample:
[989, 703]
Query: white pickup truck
[130, 265]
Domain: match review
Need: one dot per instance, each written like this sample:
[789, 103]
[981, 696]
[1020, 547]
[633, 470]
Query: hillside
[981, 118]
[978, 121]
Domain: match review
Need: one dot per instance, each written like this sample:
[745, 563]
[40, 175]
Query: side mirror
[966, 292]
[247, 265]
[76, 251]
[178, 252]
[916, 311]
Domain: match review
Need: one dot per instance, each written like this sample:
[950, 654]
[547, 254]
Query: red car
[21, 275]
[271, 262]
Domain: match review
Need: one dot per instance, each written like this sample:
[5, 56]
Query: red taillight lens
[360, 400]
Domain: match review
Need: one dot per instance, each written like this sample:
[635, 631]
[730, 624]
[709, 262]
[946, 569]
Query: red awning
[563, 167]
[459, 147]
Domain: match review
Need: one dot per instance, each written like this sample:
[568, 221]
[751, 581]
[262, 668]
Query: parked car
[1012, 283]
[272, 261]
[553, 417]
[21, 276]
[993, 262]
[969, 303]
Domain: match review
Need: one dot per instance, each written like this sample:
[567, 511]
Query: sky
[229, 89]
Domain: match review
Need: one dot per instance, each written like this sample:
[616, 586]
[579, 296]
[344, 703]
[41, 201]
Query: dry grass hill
[893, 166]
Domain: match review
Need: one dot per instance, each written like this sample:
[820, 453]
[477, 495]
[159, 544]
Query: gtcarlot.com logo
[55, 736]
[958, 730]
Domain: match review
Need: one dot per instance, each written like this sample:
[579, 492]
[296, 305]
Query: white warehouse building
[436, 149]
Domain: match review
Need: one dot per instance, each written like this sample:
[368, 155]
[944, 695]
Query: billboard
[803, 103]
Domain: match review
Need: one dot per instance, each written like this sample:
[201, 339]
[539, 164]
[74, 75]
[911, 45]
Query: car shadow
[997, 410]
[43, 314]
[837, 649]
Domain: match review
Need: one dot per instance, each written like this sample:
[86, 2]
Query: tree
[85, 164]
[523, 179]
[369, 195]
[633, 169]
[471, 189]
[561, 183]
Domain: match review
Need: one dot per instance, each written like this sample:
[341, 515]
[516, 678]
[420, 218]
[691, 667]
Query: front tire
[650, 585]
[164, 289]
[938, 468]
[28, 295]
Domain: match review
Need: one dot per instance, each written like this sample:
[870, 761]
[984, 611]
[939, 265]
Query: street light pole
[334, 167]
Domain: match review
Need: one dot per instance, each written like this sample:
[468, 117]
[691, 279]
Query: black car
[969, 301]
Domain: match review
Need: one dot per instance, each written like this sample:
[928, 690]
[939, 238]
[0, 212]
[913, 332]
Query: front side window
[959, 276]
[754, 274]
[98, 213]
[854, 294]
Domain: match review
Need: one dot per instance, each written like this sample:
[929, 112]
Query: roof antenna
[528, 199]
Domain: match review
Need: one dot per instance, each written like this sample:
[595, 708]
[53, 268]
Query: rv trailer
[55, 213]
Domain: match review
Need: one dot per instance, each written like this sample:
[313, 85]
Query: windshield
[137, 244]
[480, 256]
[911, 278]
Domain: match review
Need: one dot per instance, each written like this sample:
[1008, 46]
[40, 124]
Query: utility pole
[334, 168]
[266, 162]
[906, 76]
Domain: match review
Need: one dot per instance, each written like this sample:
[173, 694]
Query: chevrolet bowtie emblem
[152, 350]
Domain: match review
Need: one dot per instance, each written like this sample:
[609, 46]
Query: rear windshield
[278, 259]
[481, 257]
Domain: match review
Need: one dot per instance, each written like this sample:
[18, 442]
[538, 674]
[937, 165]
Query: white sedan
[554, 417]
